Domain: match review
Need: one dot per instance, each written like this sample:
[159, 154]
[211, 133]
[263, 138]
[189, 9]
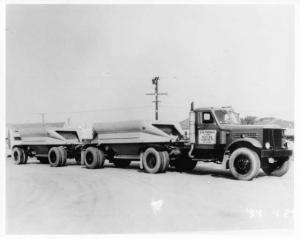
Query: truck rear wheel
[18, 155]
[123, 163]
[152, 161]
[93, 158]
[278, 169]
[55, 157]
[165, 161]
[244, 164]
[184, 164]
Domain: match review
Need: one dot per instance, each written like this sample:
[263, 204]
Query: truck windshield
[227, 117]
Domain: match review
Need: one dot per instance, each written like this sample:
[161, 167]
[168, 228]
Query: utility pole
[43, 118]
[69, 121]
[156, 94]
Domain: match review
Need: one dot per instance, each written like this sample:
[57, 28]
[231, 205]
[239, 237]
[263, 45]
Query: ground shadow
[200, 170]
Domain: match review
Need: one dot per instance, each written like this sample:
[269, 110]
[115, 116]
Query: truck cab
[217, 135]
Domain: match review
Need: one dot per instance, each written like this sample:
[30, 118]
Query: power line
[156, 94]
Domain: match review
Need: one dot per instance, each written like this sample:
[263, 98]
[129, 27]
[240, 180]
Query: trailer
[48, 145]
[153, 144]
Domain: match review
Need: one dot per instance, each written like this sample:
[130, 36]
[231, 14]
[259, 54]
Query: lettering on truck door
[207, 130]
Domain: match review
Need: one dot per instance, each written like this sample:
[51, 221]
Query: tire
[55, 157]
[282, 169]
[244, 164]
[43, 160]
[165, 161]
[93, 158]
[123, 163]
[184, 164]
[63, 153]
[277, 169]
[77, 157]
[18, 155]
[152, 161]
[25, 158]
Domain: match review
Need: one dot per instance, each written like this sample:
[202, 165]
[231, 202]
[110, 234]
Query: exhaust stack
[192, 124]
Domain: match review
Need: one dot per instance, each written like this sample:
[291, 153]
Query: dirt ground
[73, 199]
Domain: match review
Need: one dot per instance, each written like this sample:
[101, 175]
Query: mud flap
[225, 161]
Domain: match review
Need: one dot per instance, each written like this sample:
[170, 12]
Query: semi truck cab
[217, 135]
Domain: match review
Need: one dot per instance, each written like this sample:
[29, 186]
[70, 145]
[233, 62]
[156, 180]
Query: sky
[95, 63]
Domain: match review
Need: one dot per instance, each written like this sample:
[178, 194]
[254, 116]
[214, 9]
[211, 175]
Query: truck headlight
[267, 145]
[284, 143]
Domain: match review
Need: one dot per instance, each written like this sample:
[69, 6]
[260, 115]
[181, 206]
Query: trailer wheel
[152, 161]
[25, 157]
[278, 169]
[55, 157]
[18, 155]
[184, 164]
[63, 155]
[165, 161]
[123, 163]
[94, 158]
[43, 160]
[244, 164]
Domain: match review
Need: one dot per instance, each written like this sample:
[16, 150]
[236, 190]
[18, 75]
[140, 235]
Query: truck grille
[274, 137]
[248, 134]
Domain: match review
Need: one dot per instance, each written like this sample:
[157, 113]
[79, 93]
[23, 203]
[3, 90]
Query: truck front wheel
[93, 158]
[244, 164]
[152, 161]
[278, 169]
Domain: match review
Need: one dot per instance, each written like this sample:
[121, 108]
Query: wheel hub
[151, 161]
[16, 155]
[242, 164]
[89, 158]
[52, 157]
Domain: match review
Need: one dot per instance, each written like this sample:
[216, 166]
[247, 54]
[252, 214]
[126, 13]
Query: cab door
[207, 130]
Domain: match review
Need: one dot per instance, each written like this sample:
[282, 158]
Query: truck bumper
[276, 153]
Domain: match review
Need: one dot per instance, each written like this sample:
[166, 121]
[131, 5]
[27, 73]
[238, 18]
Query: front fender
[244, 142]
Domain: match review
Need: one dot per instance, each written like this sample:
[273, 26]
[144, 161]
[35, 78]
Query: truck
[48, 145]
[217, 135]
[150, 143]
